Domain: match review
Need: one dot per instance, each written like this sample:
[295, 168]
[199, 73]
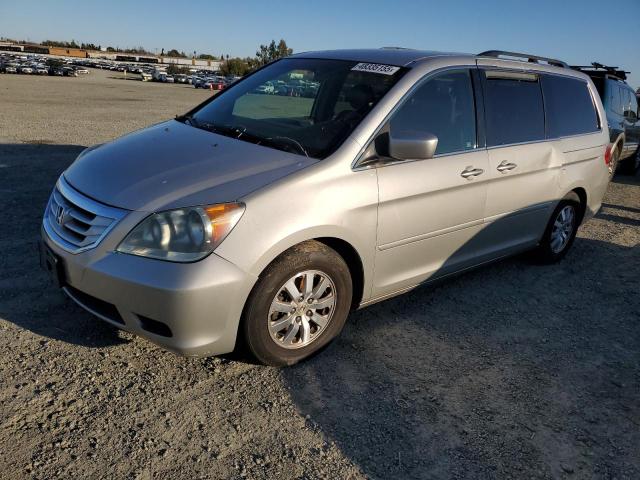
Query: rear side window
[568, 106]
[633, 105]
[513, 108]
[630, 102]
[613, 95]
[443, 106]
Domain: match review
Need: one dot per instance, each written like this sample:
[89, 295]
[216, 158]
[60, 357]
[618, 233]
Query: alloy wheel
[302, 309]
[563, 228]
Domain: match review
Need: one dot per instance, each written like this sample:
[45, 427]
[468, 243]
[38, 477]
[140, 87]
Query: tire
[279, 330]
[549, 250]
[613, 164]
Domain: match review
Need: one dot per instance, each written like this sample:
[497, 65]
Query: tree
[235, 66]
[177, 69]
[273, 51]
[57, 43]
[206, 56]
[175, 53]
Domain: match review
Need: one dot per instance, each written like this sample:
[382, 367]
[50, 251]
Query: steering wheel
[290, 141]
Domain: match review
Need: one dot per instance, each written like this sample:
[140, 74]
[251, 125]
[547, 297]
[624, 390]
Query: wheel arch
[618, 144]
[356, 252]
[353, 261]
[582, 195]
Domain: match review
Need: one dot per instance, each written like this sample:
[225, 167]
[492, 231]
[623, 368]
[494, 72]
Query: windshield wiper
[284, 144]
[226, 130]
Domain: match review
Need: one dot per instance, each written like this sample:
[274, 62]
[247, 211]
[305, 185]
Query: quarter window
[568, 106]
[443, 106]
[513, 108]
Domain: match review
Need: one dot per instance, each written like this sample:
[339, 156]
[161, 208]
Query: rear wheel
[299, 304]
[613, 163]
[561, 230]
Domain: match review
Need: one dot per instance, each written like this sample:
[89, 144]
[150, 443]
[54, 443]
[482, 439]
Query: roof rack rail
[525, 56]
[598, 68]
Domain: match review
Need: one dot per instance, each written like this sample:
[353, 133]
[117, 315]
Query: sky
[576, 31]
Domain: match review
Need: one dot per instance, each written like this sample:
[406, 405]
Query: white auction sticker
[376, 68]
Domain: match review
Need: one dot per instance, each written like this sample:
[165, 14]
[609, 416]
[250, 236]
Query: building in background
[114, 56]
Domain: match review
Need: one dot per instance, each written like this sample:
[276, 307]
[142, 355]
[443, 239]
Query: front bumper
[190, 308]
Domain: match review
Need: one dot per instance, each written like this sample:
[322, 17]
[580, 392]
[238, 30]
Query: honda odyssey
[267, 218]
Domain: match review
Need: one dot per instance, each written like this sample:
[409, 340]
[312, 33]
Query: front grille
[75, 222]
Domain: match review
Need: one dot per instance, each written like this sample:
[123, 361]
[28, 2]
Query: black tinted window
[633, 105]
[444, 107]
[629, 101]
[613, 97]
[513, 108]
[568, 106]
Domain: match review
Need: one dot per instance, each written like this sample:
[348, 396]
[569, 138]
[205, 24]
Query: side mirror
[412, 145]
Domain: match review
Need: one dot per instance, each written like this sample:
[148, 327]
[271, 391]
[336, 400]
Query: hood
[173, 165]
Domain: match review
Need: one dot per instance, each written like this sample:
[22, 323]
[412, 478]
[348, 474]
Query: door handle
[471, 172]
[505, 166]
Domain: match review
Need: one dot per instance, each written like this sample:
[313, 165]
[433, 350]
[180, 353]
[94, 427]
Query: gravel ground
[512, 371]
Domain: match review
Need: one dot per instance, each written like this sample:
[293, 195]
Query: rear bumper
[192, 309]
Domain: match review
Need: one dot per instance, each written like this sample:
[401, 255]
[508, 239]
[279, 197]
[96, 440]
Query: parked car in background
[180, 78]
[82, 70]
[69, 72]
[215, 83]
[621, 106]
[266, 89]
[268, 221]
[158, 74]
[25, 69]
[146, 76]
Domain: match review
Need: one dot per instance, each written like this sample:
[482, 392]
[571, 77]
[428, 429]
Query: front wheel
[299, 304]
[561, 230]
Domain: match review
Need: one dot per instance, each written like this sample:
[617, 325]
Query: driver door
[431, 211]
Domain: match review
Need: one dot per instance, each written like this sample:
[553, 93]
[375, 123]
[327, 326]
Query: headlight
[182, 235]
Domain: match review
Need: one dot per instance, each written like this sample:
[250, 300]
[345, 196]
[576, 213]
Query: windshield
[303, 106]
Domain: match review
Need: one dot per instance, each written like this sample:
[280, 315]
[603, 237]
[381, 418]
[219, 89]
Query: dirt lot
[512, 371]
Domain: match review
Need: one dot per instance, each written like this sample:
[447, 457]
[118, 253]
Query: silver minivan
[265, 217]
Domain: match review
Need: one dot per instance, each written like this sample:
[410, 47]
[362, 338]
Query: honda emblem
[60, 215]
